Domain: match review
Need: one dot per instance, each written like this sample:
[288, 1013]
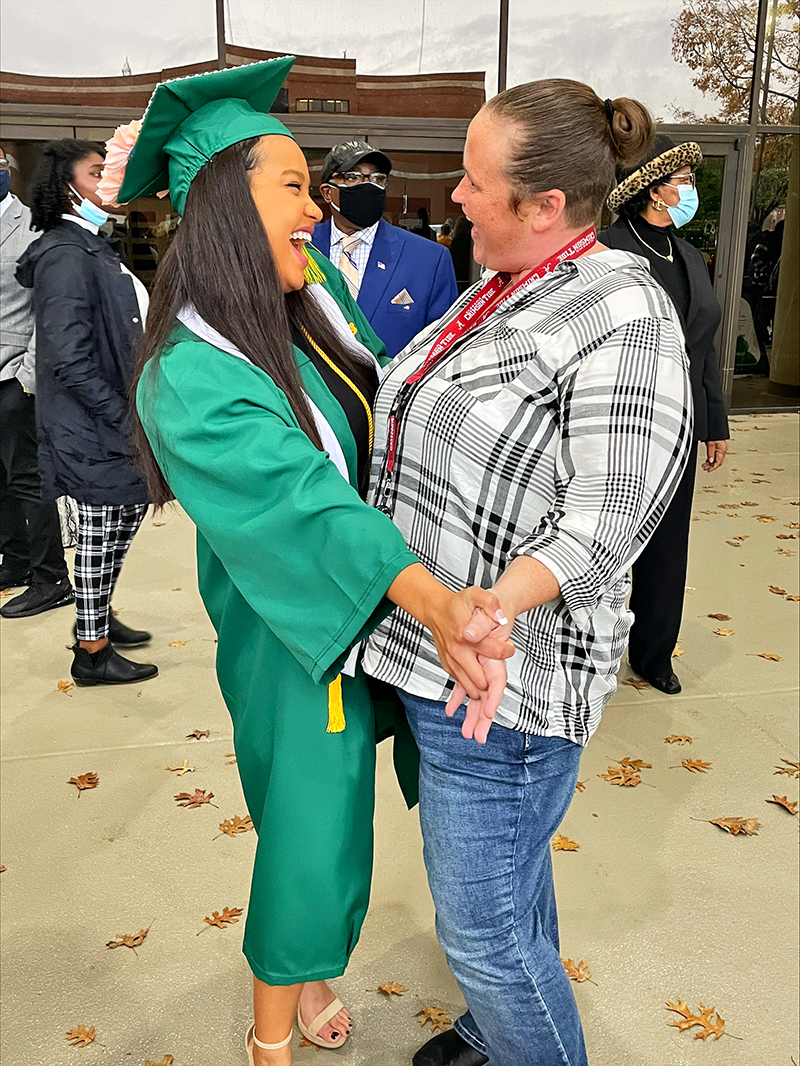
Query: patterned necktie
[347, 264]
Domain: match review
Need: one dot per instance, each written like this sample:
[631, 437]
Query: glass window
[778, 105]
[687, 61]
[302, 105]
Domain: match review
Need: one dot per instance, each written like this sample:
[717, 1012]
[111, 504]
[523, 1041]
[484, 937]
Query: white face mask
[89, 211]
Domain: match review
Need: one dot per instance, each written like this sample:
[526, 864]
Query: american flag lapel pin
[381, 266]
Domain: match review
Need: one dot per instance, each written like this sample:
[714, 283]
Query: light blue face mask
[89, 211]
[686, 208]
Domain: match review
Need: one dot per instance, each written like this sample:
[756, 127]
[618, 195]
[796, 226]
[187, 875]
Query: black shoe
[106, 667]
[13, 579]
[39, 598]
[121, 634]
[448, 1049]
[670, 684]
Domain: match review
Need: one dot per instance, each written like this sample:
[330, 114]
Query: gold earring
[658, 205]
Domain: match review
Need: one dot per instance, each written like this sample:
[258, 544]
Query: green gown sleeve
[336, 285]
[309, 556]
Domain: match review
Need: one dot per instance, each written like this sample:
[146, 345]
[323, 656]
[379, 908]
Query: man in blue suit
[401, 281]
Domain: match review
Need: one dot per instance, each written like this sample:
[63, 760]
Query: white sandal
[251, 1040]
[311, 1032]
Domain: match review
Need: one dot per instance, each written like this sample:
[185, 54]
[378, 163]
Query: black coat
[87, 327]
[699, 327]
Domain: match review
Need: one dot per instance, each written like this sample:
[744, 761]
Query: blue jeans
[488, 813]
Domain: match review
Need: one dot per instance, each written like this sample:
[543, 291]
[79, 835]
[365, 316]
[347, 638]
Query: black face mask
[362, 205]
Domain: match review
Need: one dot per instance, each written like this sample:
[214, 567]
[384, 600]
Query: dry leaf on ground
[785, 536]
[577, 971]
[677, 651]
[195, 799]
[638, 683]
[734, 543]
[168, 1060]
[748, 503]
[229, 916]
[128, 940]
[792, 525]
[772, 658]
[580, 786]
[233, 827]
[678, 738]
[765, 517]
[777, 591]
[392, 988]
[734, 826]
[696, 765]
[720, 617]
[793, 599]
[198, 734]
[2, 869]
[703, 1019]
[438, 1018]
[791, 769]
[181, 770]
[562, 843]
[784, 801]
[308, 1043]
[622, 775]
[65, 686]
[231, 757]
[177, 644]
[728, 506]
[723, 632]
[81, 1037]
[635, 764]
[83, 781]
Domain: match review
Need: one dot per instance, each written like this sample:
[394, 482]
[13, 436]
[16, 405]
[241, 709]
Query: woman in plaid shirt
[529, 442]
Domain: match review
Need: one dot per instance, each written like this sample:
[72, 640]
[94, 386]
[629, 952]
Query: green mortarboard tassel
[189, 120]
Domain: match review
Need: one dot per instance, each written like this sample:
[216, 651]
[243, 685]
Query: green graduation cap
[188, 120]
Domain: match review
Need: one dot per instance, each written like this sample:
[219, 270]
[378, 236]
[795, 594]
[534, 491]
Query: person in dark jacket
[89, 313]
[654, 199]
[461, 252]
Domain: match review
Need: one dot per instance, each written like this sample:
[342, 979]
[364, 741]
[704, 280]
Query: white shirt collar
[6, 202]
[367, 235]
[82, 223]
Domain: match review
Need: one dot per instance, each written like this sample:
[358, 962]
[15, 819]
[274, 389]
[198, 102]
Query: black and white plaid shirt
[558, 429]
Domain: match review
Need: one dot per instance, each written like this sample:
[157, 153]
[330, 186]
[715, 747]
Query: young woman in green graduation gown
[254, 412]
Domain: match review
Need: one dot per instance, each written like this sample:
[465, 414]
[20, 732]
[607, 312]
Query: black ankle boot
[121, 634]
[448, 1049]
[106, 667]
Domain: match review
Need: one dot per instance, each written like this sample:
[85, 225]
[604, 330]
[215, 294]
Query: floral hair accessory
[118, 149]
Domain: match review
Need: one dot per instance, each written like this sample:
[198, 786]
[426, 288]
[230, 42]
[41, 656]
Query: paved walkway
[661, 906]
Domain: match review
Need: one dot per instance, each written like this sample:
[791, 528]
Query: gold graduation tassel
[336, 722]
[312, 272]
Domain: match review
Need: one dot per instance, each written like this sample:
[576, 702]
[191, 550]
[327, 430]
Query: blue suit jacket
[401, 260]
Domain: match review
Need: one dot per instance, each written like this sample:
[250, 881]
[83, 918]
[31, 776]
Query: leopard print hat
[666, 157]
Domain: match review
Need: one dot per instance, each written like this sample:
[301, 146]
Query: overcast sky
[621, 47]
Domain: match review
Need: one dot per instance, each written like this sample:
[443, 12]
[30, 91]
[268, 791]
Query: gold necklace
[346, 380]
[669, 258]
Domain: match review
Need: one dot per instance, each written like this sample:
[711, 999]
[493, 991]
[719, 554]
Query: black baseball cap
[348, 154]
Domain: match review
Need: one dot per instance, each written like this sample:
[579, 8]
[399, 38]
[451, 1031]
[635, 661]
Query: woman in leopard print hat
[653, 200]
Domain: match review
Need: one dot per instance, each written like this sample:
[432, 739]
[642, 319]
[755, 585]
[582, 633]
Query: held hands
[466, 658]
[482, 708]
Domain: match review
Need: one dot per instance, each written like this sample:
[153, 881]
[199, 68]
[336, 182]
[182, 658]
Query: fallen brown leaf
[785, 536]
[772, 658]
[177, 644]
[635, 764]
[777, 591]
[81, 1037]
[229, 916]
[734, 543]
[235, 826]
[128, 940]
[83, 781]
[308, 1043]
[765, 518]
[2, 869]
[791, 769]
[696, 765]
[678, 651]
[748, 503]
[703, 1019]
[168, 1060]
[678, 738]
[231, 756]
[742, 536]
[720, 617]
[181, 770]
[793, 599]
[198, 734]
[734, 826]
[639, 684]
[722, 632]
[792, 525]
[65, 686]
[438, 1019]
[622, 775]
[392, 988]
[194, 799]
[562, 843]
[580, 786]
[784, 801]
[728, 506]
[577, 971]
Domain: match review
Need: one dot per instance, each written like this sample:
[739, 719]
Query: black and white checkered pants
[105, 532]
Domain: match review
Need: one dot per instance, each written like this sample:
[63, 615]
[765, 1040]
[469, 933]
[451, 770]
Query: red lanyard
[480, 307]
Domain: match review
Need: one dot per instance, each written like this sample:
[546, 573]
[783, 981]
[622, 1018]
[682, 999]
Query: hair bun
[631, 130]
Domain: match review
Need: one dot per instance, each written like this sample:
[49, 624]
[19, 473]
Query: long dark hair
[221, 263]
[49, 196]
